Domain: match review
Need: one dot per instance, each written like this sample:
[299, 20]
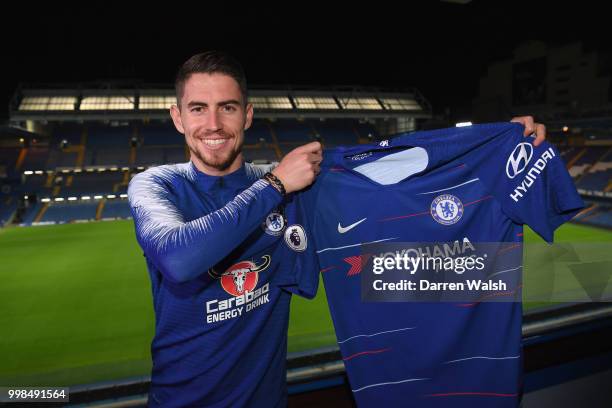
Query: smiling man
[210, 230]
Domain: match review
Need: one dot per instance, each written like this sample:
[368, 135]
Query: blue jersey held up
[473, 184]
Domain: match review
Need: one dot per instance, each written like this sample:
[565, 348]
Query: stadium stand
[66, 212]
[97, 160]
[596, 214]
[8, 157]
[8, 206]
[116, 209]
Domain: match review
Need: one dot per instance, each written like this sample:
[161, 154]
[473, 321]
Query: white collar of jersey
[395, 167]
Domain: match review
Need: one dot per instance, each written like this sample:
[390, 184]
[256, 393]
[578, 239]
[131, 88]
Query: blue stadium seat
[109, 137]
[258, 130]
[263, 153]
[36, 158]
[146, 156]
[175, 155]
[161, 135]
[116, 209]
[66, 212]
[292, 131]
[7, 210]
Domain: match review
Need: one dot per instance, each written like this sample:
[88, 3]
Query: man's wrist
[275, 182]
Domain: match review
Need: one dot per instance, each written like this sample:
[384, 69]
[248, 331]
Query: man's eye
[229, 108]
[196, 109]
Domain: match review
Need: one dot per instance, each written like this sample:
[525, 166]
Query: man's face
[213, 118]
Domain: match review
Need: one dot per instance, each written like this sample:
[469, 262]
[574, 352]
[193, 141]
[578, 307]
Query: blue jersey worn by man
[473, 184]
[213, 247]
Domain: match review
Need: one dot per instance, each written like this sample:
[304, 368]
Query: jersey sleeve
[184, 250]
[531, 183]
[303, 263]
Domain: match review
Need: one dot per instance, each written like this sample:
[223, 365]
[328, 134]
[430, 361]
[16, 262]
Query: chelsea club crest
[446, 209]
[274, 224]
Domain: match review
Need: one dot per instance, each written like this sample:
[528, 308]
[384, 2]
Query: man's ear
[249, 116]
[175, 113]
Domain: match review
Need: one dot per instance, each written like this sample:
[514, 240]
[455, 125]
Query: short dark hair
[210, 62]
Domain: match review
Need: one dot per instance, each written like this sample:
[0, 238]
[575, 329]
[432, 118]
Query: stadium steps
[581, 214]
[100, 209]
[275, 144]
[41, 213]
[576, 158]
[49, 182]
[356, 132]
[22, 155]
[81, 153]
[132, 155]
[587, 170]
[132, 159]
[123, 182]
[84, 136]
[79, 150]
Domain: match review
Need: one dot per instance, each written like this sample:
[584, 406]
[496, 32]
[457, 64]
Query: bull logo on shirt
[243, 276]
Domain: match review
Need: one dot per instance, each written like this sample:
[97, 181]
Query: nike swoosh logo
[342, 229]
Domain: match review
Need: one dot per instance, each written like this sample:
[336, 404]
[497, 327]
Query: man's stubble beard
[218, 166]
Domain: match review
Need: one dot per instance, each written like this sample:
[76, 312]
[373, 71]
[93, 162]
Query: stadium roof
[134, 102]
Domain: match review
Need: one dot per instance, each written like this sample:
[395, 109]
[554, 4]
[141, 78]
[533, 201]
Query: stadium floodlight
[65, 171]
[25, 197]
[114, 169]
[125, 168]
[89, 170]
[463, 124]
[77, 170]
[101, 169]
[45, 200]
[123, 195]
[58, 199]
[38, 172]
[98, 197]
[140, 168]
[111, 196]
[72, 198]
[85, 198]
[28, 172]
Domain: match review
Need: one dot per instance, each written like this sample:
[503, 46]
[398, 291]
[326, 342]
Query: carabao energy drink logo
[243, 276]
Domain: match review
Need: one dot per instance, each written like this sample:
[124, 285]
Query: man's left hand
[532, 127]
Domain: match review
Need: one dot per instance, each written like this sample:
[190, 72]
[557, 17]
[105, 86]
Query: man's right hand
[300, 167]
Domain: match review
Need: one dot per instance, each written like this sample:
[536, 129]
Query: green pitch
[75, 304]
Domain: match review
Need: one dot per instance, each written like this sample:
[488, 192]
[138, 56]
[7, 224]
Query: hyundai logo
[518, 160]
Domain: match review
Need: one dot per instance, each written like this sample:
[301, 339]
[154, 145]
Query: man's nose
[213, 122]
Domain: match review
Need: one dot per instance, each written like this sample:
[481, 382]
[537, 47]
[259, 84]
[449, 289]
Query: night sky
[440, 48]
